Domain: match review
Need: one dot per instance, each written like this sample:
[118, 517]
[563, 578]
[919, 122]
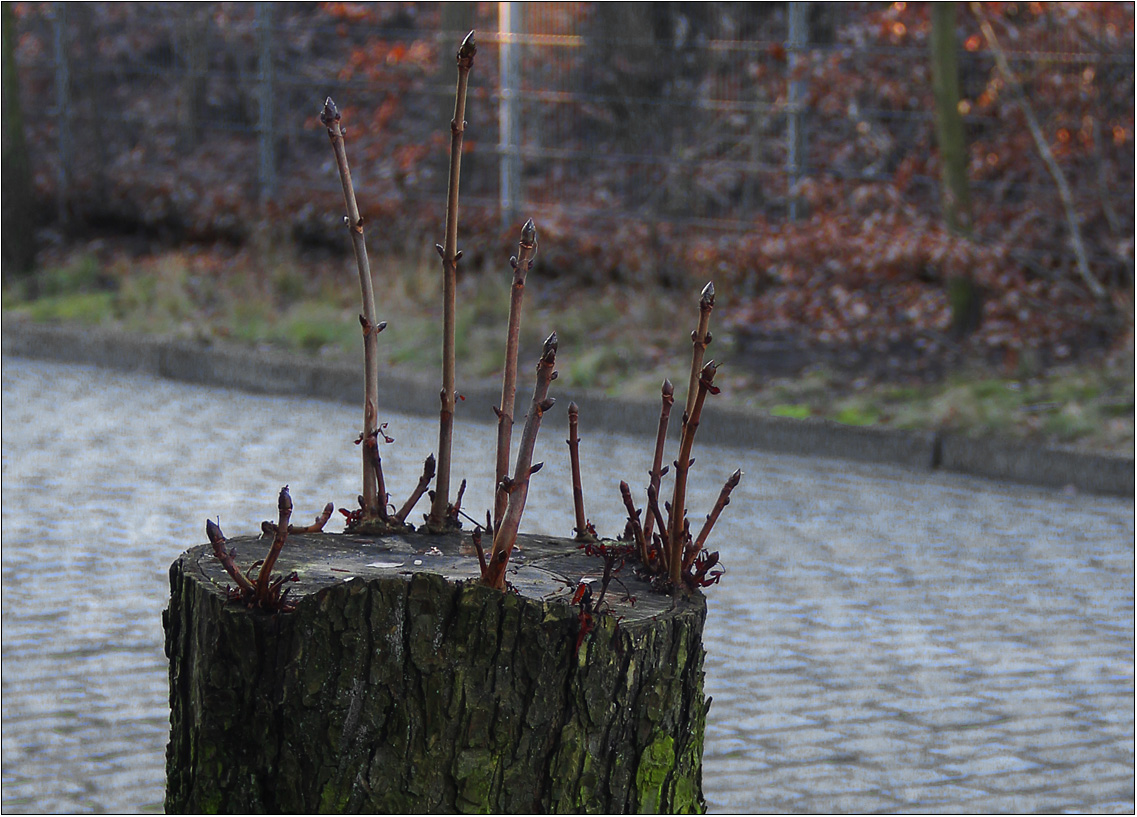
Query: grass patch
[857, 416]
[312, 326]
[615, 340]
[796, 411]
[86, 308]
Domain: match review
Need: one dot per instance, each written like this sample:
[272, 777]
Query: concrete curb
[272, 372]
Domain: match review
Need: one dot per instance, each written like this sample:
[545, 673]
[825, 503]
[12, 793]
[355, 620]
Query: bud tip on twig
[469, 47]
[708, 294]
[529, 232]
[330, 113]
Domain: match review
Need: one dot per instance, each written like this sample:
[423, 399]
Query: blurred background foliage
[165, 170]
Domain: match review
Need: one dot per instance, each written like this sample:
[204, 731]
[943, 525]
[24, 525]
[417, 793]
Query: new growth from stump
[660, 541]
[517, 487]
[373, 515]
[585, 531]
[373, 501]
[263, 591]
[521, 264]
[442, 518]
[664, 543]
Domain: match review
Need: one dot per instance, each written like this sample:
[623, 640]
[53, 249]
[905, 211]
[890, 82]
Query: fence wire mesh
[716, 116]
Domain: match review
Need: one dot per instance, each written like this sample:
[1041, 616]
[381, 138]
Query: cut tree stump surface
[400, 684]
[542, 568]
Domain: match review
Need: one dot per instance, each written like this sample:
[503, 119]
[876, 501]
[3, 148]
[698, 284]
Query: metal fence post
[266, 176]
[795, 107]
[509, 116]
[63, 113]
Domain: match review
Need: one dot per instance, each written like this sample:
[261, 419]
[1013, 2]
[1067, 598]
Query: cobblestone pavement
[883, 640]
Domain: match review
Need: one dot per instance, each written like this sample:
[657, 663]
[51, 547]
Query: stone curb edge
[273, 372]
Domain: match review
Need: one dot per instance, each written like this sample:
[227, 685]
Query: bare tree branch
[1044, 151]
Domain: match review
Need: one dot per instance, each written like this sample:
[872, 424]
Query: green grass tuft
[796, 411]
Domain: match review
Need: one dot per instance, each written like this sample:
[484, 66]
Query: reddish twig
[269, 528]
[521, 263]
[439, 519]
[456, 508]
[584, 530]
[371, 451]
[284, 507]
[225, 556]
[476, 537]
[321, 520]
[657, 469]
[634, 520]
[505, 537]
[664, 536]
[712, 517]
[700, 340]
[683, 465]
[263, 591]
[420, 489]
[372, 497]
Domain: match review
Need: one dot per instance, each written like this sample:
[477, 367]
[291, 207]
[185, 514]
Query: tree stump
[400, 684]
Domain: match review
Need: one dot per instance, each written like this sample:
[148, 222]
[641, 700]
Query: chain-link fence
[715, 116]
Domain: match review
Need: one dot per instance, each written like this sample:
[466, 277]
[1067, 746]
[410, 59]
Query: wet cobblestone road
[883, 640]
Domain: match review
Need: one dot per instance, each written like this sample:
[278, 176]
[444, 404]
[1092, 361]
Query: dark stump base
[400, 685]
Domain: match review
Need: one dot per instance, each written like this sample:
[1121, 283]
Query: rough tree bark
[400, 684]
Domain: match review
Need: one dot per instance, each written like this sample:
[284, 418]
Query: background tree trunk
[963, 294]
[397, 687]
[19, 204]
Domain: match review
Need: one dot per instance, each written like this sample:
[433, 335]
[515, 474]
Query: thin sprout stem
[521, 263]
[657, 470]
[505, 537]
[712, 517]
[582, 531]
[217, 539]
[371, 327]
[700, 339]
[284, 507]
[423, 484]
[439, 512]
[634, 518]
[682, 466]
[663, 535]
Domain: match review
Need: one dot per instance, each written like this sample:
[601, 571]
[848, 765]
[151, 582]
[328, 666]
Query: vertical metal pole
[62, 108]
[795, 107]
[509, 115]
[266, 135]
